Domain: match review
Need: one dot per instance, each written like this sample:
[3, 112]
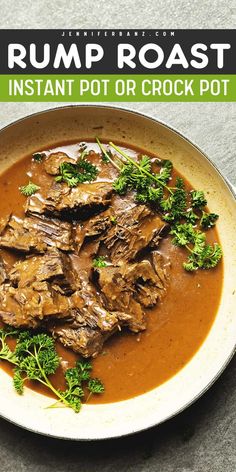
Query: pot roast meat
[3, 272]
[88, 307]
[119, 295]
[53, 266]
[53, 161]
[90, 322]
[147, 286]
[14, 236]
[161, 267]
[27, 307]
[35, 234]
[135, 229]
[54, 232]
[92, 228]
[85, 341]
[64, 201]
[129, 287]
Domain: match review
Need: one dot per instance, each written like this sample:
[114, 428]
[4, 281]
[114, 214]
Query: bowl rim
[232, 190]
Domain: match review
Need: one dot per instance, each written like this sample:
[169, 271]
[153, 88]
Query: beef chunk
[14, 236]
[3, 272]
[161, 267]
[134, 230]
[28, 306]
[54, 232]
[53, 161]
[118, 295]
[35, 234]
[88, 309]
[62, 200]
[53, 266]
[129, 286]
[85, 341]
[93, 227]
[90, 323]
[98, 224]
[147, 286]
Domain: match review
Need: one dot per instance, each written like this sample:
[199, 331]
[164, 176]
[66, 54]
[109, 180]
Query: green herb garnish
[113, 220]
[107, 155]
[202, 255]
[191, 216]
[175, 205]
[139, 176]
[29, 189]
[78, 173]
[95, 386]
[99, 262]
[198, 199]
[38, 156]
[35, 358]
[5, 352]
[208, 220]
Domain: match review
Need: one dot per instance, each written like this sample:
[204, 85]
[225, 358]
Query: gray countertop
[201, 439]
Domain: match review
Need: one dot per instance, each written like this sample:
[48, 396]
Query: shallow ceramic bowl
[130, 416]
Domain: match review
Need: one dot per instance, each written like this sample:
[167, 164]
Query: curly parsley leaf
[175, 205]
[183, 234]
[18, 381]
[84, 368]
[208, 220]
[37, 355]
[6, 353]
[202, 255]
[138, 177]
[191, 216]
[78, 173]
[149, 195]
[35, 358]
[95, 386]
[38, 156]
[198, 199]
[29, 189]
[207, 258]
[74, 392]
[165, 172]
[99, 261]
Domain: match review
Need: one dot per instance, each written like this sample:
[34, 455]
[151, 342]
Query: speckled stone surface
[203, 438]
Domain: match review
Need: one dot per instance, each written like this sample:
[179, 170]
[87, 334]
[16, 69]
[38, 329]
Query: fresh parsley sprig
[208, 220]
[202, 255]
[136, 180]
[78, 173]
[29, 189]
[198, 199]
[38, 156]
[6, 353]
[175, 205]
[99, 261]
[95, 386]
[35, 358]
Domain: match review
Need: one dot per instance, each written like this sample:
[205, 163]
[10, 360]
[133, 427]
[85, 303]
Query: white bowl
[130, 416]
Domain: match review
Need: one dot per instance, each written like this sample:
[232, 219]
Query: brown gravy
[132, 364]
